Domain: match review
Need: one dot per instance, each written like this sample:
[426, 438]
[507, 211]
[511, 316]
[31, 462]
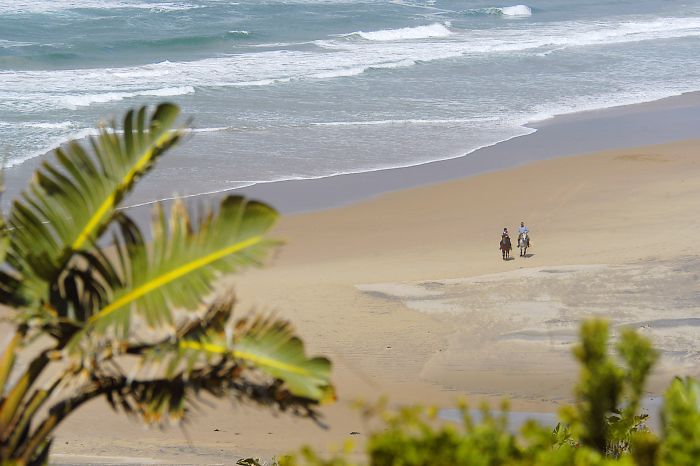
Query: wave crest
[75, 101]
[419, 32]
[515, 10]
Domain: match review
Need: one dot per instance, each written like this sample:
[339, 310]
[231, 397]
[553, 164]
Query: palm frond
[178, 271]
[173, 358]
[261, 345]
[157, 401]
[208, 355]
[270, 345]
[69, 203]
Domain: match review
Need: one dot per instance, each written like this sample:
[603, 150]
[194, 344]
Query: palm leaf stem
[19, 425]
[244, 356]
[7, 361]
[13, 401]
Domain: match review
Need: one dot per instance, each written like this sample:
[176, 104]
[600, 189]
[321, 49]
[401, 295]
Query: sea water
[289, 89]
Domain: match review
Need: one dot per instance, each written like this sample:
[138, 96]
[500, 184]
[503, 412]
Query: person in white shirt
[523, 228]
[523, 232]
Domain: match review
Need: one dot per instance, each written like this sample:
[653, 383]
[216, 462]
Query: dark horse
[505, 247]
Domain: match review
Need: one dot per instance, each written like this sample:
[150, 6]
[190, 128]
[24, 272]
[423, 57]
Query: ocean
[296, 89]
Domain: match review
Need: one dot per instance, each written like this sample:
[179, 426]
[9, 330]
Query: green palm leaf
[69, 204]
[262, 344]
[173, 358]
[180, 267]
[270, 345]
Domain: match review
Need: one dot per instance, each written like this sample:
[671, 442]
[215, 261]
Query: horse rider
[505, 245]
[523, 229]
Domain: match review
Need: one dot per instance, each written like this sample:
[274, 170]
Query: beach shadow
[528, 255]
[511, 258]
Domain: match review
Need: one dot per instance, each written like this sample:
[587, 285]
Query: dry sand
[408, 295]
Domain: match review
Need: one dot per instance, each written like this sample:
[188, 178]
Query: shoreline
[674, 117]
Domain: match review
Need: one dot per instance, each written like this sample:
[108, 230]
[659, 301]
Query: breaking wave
[418, 32]
[515, 10]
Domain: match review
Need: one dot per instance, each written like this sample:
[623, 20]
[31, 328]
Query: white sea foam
[51, 145]
[410, 121]
[75, 101]
[209, 130]
[603, 101]
[9, 44]
[408, 33]
[36, 90]
[44, 92]
[392, 65]
[516, 10]
[52, 125]
[507, 11]
[50, 6]
[276, 44]
[339, 73]
[358, 70]
[260, 82]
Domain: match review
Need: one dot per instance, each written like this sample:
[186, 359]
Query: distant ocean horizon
[300, 89]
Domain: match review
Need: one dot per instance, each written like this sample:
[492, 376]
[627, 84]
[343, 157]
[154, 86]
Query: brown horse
[505, 247]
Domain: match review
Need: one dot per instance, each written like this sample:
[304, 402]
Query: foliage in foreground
[603, 427]
[98, 312]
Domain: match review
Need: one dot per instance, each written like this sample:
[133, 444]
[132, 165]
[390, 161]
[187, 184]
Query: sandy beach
[409, 297]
